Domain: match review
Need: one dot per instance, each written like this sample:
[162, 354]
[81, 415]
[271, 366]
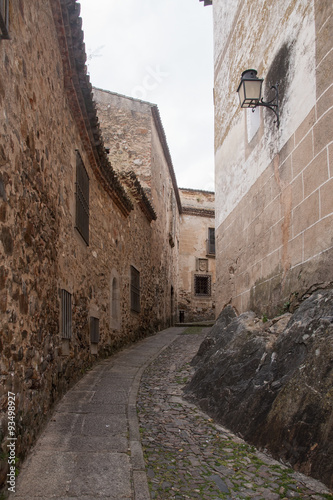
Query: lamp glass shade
[249, 90]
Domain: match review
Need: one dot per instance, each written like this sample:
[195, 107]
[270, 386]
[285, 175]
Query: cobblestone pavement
[188, 456]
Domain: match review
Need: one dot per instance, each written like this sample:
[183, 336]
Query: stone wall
[273, 186]
[32, 210]
[195, 258]
[48, 121]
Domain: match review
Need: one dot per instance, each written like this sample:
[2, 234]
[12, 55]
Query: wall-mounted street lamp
[249, 91]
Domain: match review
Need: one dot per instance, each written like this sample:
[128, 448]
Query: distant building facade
[274, 203]
[196, 296]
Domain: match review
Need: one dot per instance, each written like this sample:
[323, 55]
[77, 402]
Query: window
[82, 199]
[115, 299]
[135, 289]
[4, 19]
[66, 315]
[115, 314]
[211, 241]
[202, 285]
[94, 330]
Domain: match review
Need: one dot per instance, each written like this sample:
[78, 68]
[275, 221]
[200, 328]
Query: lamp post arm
[274, 106]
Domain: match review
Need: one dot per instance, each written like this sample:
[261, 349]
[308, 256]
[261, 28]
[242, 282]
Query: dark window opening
[115, 300]
[202, 285]
[4, 19]
[82, 199]
[211, 241]
[135, 289]
[66, 315]
[94, 330]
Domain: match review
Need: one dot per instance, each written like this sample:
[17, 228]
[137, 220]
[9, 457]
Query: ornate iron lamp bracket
[273, 104]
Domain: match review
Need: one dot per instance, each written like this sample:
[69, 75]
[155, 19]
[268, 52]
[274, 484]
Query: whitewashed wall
[248, 35]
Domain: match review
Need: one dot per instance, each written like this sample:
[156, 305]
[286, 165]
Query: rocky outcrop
[272, 382]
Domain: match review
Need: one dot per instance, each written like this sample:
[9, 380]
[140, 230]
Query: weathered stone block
[315, 174]
[7, 240]
[326, 198]
[271, 264]
[325, 102]
[3, 301]
[324, 73]
[305, 126]
[302, 155]
[323, 130]
[295, 250]
[306, 214]
[285, 173]
[272, 214]
[318, 237]
[287, 149]
[297, 191]
[275, 237]
[323, 10]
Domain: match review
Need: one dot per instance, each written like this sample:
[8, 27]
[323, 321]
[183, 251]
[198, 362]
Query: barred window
[202, 285]
[135, 289]
[94, 330]
[4, 19]
[66, 314]
[82, 199]
[211, 241]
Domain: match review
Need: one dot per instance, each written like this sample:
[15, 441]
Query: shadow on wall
[282, 72]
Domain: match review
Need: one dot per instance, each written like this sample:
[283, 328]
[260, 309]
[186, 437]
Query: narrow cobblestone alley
[125, 433]
[188, 456]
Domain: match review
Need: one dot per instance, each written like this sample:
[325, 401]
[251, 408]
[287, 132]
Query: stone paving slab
[103, 425]
[110, 398]
[105, 475]
[89, 444]
[39, 478]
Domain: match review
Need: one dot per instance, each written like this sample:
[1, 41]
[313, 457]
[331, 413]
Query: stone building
[135, 139]
[196, 296]
[274, 203]
[136, 142]
[88, 246]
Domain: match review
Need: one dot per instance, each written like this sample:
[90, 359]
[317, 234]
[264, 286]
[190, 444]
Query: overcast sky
[160, 51]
